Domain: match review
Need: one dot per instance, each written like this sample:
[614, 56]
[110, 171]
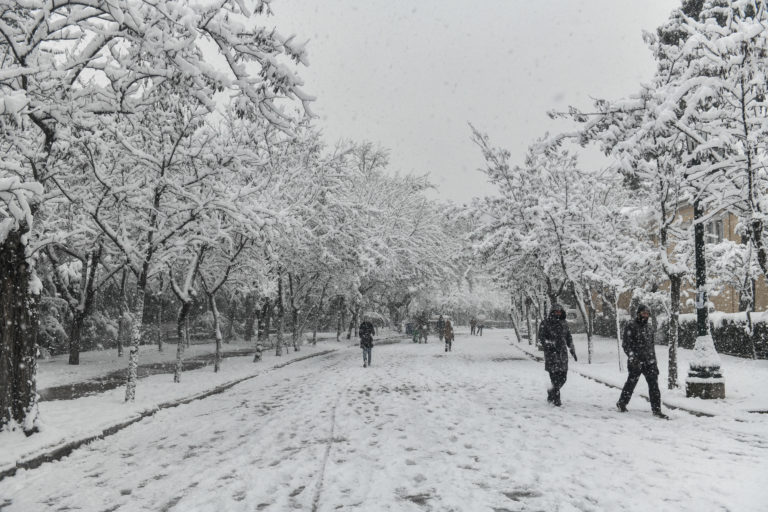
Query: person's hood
[641, 308]
[557, 311]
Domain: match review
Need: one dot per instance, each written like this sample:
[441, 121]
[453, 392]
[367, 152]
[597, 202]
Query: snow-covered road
[420, 430]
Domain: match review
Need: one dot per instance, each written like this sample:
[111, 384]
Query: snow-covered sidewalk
[421, 430]
[56, 371]
[67, 422]
[746, 380]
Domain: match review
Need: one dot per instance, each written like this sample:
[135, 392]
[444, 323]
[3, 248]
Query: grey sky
[410, 74]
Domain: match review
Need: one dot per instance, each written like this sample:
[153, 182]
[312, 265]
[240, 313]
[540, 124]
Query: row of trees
[693, 135]
[154, 149]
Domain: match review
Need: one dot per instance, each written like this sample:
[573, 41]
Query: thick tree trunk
[250, 316]
[18, 335]
[266, 314]
[279, 336]
[137, 325]
[180, 323]
[75, 337]
[673, 328]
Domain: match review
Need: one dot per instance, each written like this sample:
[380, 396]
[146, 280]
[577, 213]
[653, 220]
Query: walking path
[421, 430]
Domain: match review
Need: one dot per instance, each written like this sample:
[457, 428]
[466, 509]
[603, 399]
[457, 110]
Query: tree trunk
[180, 323]
[216, 330]
[231, 326]
[528, 320]
[353, 322]
[159, 324]
[250, 310]
[280, 316]
[123, 325]
[295, 329]
[137, 325]
[340, 319]
[673, 328]
[266, 314]
[618, 327]
[279, 336]
[75, 336]
[513, 316]
[18, 335]
[581, 302]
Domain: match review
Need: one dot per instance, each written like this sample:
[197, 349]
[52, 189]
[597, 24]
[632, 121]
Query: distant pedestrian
[448, 335]
[472, 326]
[440, 327]
[480, 327]
[423, 332]
[556, 340]
[638, 343]
[366, 332]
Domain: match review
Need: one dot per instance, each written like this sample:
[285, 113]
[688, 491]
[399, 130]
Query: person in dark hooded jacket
[637, 342]
[366, 331]
[555, 338]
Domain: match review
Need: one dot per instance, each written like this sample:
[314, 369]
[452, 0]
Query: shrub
[729, 333]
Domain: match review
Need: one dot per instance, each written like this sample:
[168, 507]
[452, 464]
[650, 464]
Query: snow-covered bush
[730, 333]
[52, 335]
[99, 329]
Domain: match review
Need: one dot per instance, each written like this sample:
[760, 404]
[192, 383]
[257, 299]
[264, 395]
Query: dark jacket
[637, 342]
[555, 338]
[366, 332]
[448, 331]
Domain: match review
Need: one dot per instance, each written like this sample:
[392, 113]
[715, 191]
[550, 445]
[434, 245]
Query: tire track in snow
[328, 447]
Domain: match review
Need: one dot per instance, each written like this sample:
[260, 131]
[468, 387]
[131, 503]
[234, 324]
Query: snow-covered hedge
[729, 332]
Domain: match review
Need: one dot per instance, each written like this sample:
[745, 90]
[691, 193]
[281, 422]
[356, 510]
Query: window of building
[714, 231]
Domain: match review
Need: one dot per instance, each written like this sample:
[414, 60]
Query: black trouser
[558, 379]
[651, 377]
[448, 344]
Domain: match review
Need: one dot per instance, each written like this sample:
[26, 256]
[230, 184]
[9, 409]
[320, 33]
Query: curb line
[63, 450]
[537, 357]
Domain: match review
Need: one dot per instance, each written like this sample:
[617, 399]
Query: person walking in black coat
[366, 333]
[440, 327]
[556, 341]
[449, 336]
[637, 342]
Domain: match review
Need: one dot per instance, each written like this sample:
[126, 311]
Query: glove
[573, 353]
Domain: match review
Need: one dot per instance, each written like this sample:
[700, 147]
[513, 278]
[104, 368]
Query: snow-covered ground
[64, 421]
[420, 430]
[56, 371]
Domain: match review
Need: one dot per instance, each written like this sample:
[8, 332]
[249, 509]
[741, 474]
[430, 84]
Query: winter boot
[661, 415]
[621, 407]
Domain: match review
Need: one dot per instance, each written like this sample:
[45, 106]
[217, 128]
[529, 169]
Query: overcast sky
[410, 74]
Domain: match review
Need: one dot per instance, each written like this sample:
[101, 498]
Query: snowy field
[421, 430]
